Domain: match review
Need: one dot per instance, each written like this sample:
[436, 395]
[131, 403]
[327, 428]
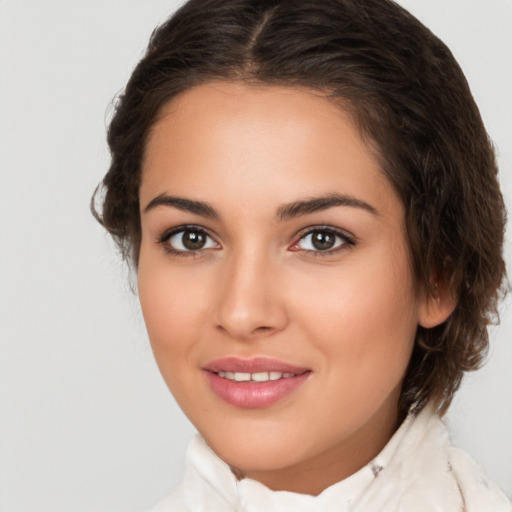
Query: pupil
[323, 240]
[193, 240]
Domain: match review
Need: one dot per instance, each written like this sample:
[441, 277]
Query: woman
[310, 200]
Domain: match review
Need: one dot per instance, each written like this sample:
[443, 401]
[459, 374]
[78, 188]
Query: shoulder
[478, 491]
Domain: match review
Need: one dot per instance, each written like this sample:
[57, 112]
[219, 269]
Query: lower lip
[252, 395]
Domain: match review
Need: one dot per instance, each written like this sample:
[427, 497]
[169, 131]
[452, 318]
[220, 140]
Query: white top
[417, 471]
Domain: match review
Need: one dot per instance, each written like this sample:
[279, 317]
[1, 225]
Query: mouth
[254, 383]
[255, 377]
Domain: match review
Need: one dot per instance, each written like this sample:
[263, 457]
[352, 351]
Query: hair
[412, 105]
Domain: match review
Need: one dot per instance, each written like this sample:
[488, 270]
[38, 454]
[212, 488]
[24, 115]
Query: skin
[260, 288]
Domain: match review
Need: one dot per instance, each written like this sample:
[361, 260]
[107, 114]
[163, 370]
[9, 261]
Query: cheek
[365, 318]
[174, 306]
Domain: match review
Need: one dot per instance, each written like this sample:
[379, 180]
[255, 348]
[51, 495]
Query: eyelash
[346, 240]
[165, 237]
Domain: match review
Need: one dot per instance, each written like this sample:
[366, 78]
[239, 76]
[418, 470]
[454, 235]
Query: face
[275, 281]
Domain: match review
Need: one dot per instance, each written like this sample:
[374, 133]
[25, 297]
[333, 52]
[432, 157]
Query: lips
[253, 383]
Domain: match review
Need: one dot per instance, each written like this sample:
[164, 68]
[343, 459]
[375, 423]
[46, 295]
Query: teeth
[260, 377]
[255, 377]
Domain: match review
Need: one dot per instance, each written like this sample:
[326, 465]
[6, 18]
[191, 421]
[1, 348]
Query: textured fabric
[417, 471]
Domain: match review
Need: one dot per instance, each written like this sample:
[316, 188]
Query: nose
[250, 303]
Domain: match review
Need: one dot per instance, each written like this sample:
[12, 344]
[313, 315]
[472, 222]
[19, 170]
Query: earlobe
[437, 307]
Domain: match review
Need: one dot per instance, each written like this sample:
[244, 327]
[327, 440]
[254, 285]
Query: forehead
[245, 141]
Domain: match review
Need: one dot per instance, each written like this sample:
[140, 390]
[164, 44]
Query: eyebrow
[316, 204]
[188, 205]
[284, 212]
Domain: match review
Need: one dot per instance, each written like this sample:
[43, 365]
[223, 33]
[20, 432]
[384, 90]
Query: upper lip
[253, 365]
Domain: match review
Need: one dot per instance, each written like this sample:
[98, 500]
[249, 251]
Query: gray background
[86, 423]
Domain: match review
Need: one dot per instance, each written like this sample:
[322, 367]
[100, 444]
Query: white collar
[417, 471]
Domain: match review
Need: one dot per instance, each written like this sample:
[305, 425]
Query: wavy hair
[413, 107]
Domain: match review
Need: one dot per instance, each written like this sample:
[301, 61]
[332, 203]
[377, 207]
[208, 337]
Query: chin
[256, 449]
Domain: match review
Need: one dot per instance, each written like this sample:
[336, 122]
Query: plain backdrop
[86, 423]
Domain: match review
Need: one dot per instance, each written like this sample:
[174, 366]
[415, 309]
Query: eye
[188, 239]
[322, 240]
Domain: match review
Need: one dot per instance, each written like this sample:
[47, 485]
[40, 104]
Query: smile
[253, 383]
[255, 377]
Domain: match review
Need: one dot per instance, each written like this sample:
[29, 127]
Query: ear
[437, 307]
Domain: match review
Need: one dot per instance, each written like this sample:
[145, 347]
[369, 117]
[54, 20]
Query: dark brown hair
[412, 105]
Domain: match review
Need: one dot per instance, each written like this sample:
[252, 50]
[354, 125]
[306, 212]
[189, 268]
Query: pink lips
[252, 394]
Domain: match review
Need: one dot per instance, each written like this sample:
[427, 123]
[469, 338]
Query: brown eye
[323, 240]
[190, 239]
[193, 240]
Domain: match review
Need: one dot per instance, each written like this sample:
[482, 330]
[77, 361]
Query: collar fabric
[417, 471]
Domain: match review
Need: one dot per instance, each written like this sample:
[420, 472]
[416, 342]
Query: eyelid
[164, 238]
[347, 239]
